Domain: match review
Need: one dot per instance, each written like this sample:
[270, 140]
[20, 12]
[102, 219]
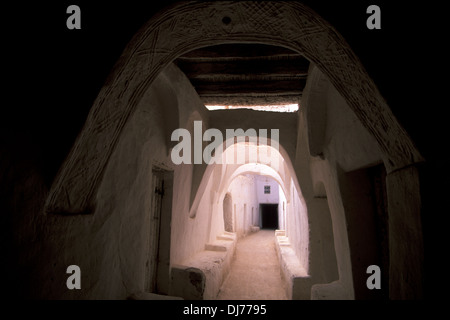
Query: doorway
[160, 214]
[227, 213]
[269, 215]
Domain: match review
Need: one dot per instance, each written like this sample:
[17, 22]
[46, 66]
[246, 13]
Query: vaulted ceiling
[245, 74]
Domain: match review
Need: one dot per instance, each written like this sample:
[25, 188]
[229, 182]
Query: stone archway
[187, 26]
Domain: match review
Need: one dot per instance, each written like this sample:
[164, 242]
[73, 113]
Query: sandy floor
[255, 271]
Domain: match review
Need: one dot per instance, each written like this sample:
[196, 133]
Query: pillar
[405, 234]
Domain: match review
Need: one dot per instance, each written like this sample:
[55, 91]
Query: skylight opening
[273, 108]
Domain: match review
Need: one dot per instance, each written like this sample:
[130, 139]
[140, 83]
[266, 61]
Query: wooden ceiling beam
[226, 51]
[246, 74]
[253, 100]
[283, 67]
[249, 87]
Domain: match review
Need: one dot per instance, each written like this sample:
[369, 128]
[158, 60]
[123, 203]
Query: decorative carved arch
[188, 26]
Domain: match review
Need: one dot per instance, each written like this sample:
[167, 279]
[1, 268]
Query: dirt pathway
[255, 271]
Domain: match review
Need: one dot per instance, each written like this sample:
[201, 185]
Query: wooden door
[157, 194]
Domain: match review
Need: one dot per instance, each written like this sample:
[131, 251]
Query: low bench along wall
[297, 281]
[201, 276]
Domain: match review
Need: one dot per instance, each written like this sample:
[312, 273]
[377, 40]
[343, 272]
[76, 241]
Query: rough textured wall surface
[110, 244]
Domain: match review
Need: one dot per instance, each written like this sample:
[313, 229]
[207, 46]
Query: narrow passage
[255, 270]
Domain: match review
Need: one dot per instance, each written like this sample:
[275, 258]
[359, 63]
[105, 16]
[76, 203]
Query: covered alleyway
[255, 270]
[114, 194]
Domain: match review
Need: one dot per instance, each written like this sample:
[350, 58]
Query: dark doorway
[364, 196]
[269, 216]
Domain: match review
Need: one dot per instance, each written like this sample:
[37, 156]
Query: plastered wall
[273, 196]
[245, 202]
[337, 143]
[110, 245]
